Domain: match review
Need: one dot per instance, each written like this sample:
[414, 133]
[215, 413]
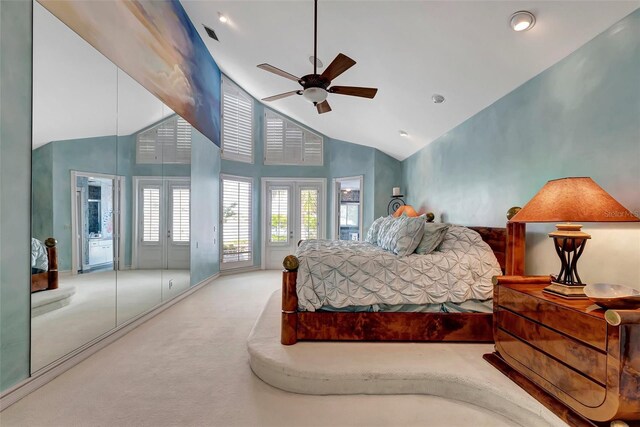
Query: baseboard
[48, 373]
[240, 270]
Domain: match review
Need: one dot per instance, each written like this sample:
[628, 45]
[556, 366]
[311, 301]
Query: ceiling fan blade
[364, 92]
[278, 71]
[323, 107]
[282, 95]
[340, 64]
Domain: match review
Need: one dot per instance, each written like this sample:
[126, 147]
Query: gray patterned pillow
[433, 235]
[404, 235]
[372, 234]
[383, 231]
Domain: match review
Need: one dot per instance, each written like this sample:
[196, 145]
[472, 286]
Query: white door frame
[296, 181]
[336, 205]
[135, 182]
[118, 223]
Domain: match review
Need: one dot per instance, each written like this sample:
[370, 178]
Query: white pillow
[404, 235]
[385, 225]
[372, 234]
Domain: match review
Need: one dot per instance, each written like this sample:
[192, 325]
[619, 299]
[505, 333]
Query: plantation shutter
[180, 214]
[237, 241]
[151, 214]
[183, 141]
[286, 143]
[167, 142]
[237, 123]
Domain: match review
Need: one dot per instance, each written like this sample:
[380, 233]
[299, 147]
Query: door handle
[291, 234]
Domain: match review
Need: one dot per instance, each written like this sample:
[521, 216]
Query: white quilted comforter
[347, 273]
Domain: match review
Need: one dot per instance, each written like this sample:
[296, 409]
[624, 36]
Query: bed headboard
[496, 238]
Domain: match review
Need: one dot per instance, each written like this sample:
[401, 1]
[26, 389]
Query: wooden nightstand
[581, 362]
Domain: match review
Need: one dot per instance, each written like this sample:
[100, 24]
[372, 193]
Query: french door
[162, 223]
[294, 210]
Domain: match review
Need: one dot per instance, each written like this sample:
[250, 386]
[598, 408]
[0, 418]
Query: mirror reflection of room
[349, 208]
[110, 193]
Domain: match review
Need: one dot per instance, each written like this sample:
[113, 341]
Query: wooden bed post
[289, 323]
[52, 254]
[516, 240]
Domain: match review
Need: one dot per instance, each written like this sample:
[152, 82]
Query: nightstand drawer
[575, 354]
[550, 374]
[588, 329]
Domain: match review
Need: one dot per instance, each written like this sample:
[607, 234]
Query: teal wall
[205, 208]
[341, 159]
[15, 190]
[580, 117]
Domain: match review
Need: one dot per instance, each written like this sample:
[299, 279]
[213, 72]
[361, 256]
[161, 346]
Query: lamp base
[566, 291]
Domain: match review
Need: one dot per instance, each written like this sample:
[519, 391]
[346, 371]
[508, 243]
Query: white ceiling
[78, 93]
[408, 49]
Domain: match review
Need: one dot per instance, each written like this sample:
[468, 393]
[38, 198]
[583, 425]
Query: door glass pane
[236, 220]
[279, 203]
[309, 213]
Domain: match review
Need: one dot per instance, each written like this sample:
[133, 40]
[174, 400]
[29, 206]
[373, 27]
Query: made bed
[305, 318]
[44, 265]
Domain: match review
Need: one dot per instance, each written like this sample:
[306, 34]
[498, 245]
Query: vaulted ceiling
[410, 50]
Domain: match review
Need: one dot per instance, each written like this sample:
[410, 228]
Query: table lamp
[571, 201]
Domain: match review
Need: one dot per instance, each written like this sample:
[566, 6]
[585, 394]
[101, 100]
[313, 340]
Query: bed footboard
[289, 323]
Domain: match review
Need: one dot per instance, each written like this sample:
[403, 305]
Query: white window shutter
[151, 214]
[180, 214]
[167, 142]
[237, 123]
[286, 143]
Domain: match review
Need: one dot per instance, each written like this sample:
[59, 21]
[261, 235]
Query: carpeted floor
[189, 367]
[101, 301]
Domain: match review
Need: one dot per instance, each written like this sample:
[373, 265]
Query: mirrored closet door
[111, 212]
[75, 189]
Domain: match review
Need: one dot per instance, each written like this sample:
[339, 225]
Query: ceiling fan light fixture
[315, 94]
[522, 21]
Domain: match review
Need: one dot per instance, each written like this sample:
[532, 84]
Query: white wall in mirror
[67, 103]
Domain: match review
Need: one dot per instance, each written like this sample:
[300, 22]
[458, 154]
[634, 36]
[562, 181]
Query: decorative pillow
[433, 235]
[372, 234]
[404, 235]
[383, 231]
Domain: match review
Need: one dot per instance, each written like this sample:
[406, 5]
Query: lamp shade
[573, 200]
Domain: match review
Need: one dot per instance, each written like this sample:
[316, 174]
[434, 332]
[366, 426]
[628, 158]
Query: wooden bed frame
[49, 279]
[506, 243]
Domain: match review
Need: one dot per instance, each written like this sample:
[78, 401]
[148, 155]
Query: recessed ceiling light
[522, 20]
[319, 63]
[404, 133]
[222, 18]
[437, 99]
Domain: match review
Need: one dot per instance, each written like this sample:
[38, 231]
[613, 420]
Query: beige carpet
[189, 367]
[101, 301]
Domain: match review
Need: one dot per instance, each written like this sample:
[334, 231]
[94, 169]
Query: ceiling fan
[315, 87]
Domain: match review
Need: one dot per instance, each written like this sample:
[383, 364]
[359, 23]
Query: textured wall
[388, 174]
[15, 191]
[205, 208]
[578, 118]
